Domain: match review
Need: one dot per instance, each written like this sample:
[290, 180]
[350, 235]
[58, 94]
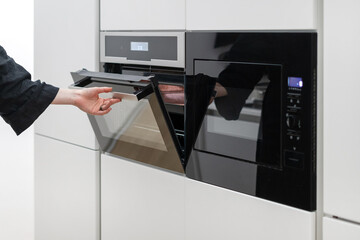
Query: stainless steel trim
[180, 63]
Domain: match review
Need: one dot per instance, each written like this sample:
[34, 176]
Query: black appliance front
[256, 132]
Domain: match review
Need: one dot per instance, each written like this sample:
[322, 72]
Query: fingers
[114, 100]
[102, 112]
[108, 102]
[105, 107]
[103, 89]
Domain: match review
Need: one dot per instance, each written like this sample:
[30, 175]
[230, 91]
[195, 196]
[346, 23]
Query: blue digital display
[296, 82]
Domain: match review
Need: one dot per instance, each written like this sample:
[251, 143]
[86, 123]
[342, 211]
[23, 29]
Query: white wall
[16, 158]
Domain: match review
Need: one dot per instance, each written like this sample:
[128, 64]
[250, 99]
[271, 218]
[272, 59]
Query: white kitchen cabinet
[140, 202]
[66, 40]
[336, 229]
[251, 14]
[341, 109]
[214, 213]
[142, 15]
[66, 191]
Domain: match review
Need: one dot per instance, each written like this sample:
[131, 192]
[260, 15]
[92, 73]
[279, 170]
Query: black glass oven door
[258, 135]
[241, 128]
[243, 122]
[137, 128]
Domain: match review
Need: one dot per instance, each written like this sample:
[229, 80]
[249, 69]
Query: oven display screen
[139, 46]
[296, 82]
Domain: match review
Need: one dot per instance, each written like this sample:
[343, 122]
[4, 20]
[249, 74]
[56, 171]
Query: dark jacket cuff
[29, 112]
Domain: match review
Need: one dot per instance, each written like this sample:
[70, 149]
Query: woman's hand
[87, 99]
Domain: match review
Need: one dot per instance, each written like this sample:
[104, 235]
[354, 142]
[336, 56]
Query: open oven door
[139, 127]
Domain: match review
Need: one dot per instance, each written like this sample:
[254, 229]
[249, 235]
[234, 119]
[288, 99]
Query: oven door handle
[141, 84]
[144, 92]
[84, 73]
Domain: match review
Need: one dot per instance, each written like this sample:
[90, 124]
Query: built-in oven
[258, 134]
[232, 109]
[147, 71]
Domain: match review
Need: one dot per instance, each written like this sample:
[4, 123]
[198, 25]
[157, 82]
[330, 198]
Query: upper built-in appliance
[146, 70]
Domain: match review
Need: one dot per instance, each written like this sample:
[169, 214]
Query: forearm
[66, 96]
[22, 101]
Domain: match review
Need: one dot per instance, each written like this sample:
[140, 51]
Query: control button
[293, 122]
[294, 159]
[298, 138]
[290, 109]
[291, 137]
[298, 101]
[290, 121]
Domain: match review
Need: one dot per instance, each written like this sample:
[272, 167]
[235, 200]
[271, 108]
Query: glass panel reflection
[132, 122]
[243, 121]
[138, 130]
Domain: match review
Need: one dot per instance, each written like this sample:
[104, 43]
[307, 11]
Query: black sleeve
[239, 81]
[21, 100]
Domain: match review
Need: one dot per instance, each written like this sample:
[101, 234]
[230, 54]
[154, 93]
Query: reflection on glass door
[244, 122]
[137, 130]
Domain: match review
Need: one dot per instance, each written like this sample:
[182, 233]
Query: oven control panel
[293, 154]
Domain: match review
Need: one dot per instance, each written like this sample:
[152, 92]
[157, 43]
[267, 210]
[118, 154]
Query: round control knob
[291, 121]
